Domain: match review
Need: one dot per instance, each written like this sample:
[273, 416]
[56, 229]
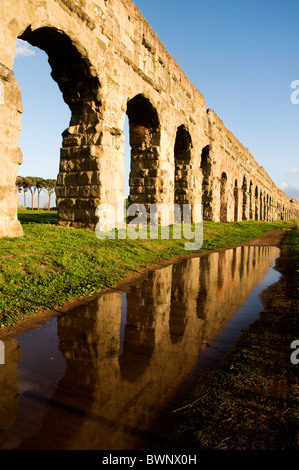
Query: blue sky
[241, 55]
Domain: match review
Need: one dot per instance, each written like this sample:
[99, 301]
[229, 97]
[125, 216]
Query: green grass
[37, 217]
[51, 265]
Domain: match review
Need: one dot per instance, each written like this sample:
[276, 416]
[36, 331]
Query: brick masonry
[109, 63]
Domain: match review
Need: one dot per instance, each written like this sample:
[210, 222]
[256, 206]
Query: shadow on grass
[37, 217]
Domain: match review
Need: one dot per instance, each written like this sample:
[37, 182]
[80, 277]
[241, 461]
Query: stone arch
[250, 200]
[244, 202]
[206, 168]
[223, 198]
[236, 201]
[256, 197]
[145, 135]
[72, 71]
[78, 186]
[265, 207]
[182, 158]
[261, 205]
[270, 209]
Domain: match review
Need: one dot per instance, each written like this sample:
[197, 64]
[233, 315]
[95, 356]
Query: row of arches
[91, 155]
[82, 92]
[250, 202]
[145, 140]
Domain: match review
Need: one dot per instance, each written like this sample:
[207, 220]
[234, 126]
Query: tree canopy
[35, 185]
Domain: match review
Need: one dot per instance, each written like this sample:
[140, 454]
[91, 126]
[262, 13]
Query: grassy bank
[252, 401]
[51, 265]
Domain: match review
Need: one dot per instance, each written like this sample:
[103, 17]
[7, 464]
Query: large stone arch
[78, 80]
[78, 182]
[261, 206]
[206, 165]
[256, 203]
[251, 202]
[182, 161]
[236, 201]
[145, 139]
[245, 198]
[223, 197]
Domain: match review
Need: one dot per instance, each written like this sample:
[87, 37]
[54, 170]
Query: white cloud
[283, 186]
[23, 49]
[289, 190]
[293, 172]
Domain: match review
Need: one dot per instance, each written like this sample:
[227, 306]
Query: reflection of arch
[92, 406]
[178, 310]
[144, 140]
[139, 332]
[234, 263]
[206, 167]
[223, 198]
[221, 272]
[204, 273]
[80, 87]
[182, 157]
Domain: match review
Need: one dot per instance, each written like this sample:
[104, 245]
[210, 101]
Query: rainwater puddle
[99, 376]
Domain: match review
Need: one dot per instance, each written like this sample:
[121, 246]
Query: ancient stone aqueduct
[109, 63]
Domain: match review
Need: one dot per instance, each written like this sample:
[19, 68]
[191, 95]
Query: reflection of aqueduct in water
[108, 62]
[125, 353]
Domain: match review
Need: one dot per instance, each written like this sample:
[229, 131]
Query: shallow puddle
[103, 375]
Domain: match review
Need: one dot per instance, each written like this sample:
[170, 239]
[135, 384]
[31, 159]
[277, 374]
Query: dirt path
[273, 238]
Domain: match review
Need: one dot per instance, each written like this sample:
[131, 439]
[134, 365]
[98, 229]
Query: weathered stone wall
[250, 194]
[108, 62]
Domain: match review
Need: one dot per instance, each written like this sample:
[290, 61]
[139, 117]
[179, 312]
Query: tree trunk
[38, 199]
[49, 203]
